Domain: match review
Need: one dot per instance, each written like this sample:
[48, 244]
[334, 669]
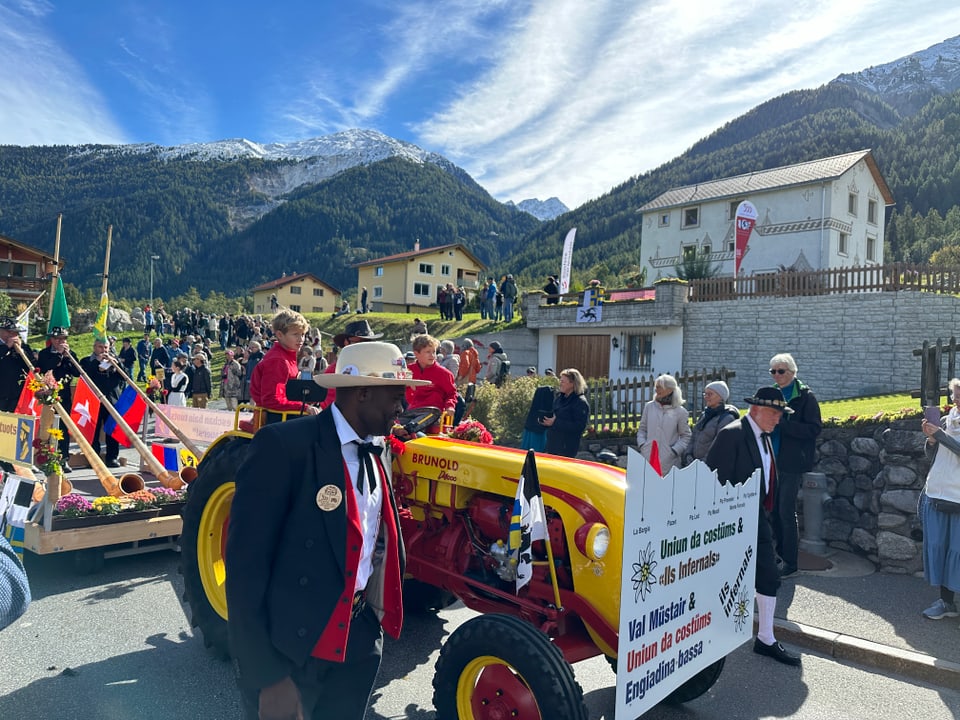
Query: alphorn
[128, 483]
[187, 442]
[165, 477]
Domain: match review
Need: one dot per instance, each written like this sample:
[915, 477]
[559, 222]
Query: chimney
[416, 245]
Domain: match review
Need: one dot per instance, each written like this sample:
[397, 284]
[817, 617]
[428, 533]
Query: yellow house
[303, 292]
[397, 283]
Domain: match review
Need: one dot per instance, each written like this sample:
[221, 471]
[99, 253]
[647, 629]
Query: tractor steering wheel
[419, 419]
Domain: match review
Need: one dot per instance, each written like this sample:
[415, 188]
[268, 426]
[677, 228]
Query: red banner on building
[746, 218]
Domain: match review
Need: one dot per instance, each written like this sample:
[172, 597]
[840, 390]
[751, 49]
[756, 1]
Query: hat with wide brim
[356, 329]
[368, 364]
[769, 397]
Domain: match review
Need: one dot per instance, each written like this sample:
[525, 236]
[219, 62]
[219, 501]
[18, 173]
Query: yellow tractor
[456, 500]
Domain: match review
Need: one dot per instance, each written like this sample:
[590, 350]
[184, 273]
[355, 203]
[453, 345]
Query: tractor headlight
[593, 540]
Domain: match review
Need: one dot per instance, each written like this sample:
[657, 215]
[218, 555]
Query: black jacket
[571, 413]
[798, 432]
[541, 405]
[286, 556]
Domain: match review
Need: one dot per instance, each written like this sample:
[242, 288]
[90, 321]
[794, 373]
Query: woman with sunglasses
[795, 446]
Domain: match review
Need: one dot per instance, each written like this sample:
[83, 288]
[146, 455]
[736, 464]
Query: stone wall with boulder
[875, 474]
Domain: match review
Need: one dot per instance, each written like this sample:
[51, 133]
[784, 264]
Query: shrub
[504, 410]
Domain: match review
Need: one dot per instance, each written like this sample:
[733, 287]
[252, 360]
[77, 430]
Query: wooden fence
[932, 383]
[875, 278]
[618, 404]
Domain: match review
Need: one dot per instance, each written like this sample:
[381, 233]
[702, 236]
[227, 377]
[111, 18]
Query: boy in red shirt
[268, 385]
[443, 392]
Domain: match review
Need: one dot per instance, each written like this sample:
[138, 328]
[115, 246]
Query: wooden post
[106, 261]
[56, 266]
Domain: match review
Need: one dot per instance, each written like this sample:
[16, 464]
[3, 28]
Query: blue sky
[534, 98]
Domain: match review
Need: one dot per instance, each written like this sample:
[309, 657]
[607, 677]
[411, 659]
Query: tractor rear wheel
[204, 538]
[498, 666]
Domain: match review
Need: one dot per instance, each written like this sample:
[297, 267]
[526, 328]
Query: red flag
[86, 408]
[132, 408]
[746, 218]
[655, 458]
[28, 405]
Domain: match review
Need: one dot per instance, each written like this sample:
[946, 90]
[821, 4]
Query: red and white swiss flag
[86, 408]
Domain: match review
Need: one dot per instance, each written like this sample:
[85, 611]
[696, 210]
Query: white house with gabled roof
[822, 214]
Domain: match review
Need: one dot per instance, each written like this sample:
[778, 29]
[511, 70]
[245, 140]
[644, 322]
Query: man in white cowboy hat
[738, 450]
[308, 598]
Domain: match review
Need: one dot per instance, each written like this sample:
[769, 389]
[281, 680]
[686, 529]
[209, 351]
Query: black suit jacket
[735, 453]
[735, 456]
[285, 556]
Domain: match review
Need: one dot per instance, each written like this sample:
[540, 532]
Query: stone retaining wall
[875, 474]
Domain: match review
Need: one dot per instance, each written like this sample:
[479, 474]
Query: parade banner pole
[56, 265]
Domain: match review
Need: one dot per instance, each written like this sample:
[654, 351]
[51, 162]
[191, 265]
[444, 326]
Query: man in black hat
[13, 370]
[105, 376]
[357, 331]
[739, 449]
[56, 358]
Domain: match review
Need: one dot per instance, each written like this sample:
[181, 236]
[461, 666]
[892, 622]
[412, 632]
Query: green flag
[100, 324]
[60, 315]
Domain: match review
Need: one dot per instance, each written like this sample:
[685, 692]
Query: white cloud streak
[586, 95]
[44, 94]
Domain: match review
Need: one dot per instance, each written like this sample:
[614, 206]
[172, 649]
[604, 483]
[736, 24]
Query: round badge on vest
[329, 498]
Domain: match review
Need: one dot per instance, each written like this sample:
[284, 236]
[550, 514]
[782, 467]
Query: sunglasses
[778, 371]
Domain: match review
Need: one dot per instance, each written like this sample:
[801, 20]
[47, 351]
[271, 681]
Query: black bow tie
[365, 452]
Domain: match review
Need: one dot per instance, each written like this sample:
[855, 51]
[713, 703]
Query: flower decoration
[142, 499]
[474, 431]
[106, 505]
[163, 496]
[46, 454]
[153, 388]
[73, 505]
[397, 446]
[45, 388]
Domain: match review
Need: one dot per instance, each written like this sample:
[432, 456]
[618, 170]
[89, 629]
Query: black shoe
[777, 652]
[113, 463]
[788, 570]
[66, 469]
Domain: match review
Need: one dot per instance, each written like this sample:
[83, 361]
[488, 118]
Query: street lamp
[152, 258]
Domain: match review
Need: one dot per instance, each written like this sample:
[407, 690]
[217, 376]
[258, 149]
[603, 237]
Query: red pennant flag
[28, 405]
[655, 458]
[86, 408]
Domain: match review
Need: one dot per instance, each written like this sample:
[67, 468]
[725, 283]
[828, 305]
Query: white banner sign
[688, 573]
[203, 426]
[566, 261]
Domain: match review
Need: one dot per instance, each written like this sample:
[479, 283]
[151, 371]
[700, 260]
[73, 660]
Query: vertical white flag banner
[566, 260]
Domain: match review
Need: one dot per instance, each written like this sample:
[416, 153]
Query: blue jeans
[507, 309]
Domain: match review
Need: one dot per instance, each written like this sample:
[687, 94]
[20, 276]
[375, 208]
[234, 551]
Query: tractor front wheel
[498, 666]
[204, 538]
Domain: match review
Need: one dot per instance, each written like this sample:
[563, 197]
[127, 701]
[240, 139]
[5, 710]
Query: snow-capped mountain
[542, 209]
[935, 70]
[303, 162]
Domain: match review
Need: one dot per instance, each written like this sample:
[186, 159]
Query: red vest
[332, 644]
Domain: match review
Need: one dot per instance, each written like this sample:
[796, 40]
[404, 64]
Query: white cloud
[585, 95]
[45, 97]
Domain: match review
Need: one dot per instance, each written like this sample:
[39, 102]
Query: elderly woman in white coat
[666, 422]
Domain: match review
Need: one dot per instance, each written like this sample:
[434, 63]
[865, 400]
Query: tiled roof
[813, 171]
[287, 279]
[418, 253]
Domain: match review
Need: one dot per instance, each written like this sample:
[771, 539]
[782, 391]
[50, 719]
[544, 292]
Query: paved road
[117, 645]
